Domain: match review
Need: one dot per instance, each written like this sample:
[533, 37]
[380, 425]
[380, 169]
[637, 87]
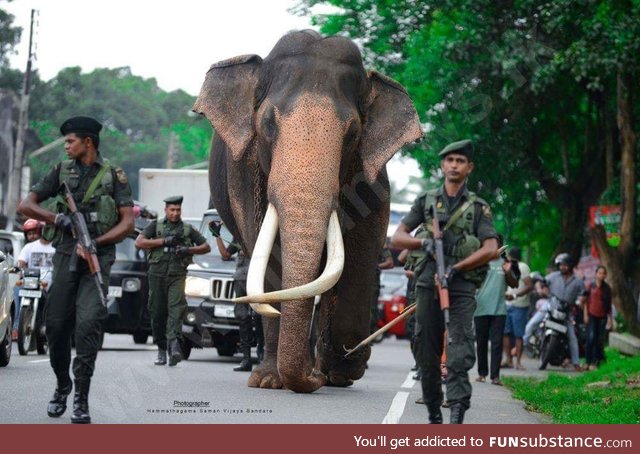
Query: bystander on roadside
[597, 317]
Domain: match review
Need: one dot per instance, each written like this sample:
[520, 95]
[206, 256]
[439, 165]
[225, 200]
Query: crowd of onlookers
[511, 307]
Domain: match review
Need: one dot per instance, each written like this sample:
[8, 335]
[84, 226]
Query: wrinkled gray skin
[308, 130]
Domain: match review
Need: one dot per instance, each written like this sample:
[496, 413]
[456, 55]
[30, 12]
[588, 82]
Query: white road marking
[409, 382]
[39, 361]
[396, 409]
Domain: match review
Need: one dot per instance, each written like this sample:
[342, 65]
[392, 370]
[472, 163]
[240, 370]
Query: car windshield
[393, 282]
[126, 250]
[6, 246]
[226, 235]
[195, 222]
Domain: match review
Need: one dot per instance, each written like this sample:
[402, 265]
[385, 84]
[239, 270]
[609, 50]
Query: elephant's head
[313, 119]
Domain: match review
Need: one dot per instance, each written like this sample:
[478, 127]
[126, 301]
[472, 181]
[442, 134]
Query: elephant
[302, 138]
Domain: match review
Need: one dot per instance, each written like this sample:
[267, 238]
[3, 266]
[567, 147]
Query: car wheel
[185, 346]
[140, 338]
[226, 349]
[5, 345]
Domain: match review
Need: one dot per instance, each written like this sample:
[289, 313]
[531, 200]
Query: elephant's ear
[390, 123]
[227, 100]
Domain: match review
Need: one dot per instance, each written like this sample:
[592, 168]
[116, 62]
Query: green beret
[463, 147]
[173, 200]
[85, 125]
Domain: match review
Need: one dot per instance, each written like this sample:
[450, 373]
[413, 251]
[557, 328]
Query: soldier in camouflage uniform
[102, 194]
[470, 241]
[171, 244]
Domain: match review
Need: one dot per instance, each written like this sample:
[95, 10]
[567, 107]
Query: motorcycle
[554, 347]
[534, 346]
[31, 327]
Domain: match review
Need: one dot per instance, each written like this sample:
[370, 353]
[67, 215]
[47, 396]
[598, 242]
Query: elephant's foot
[344, 371]
[338, 379]
[304, 383]
[265, 376]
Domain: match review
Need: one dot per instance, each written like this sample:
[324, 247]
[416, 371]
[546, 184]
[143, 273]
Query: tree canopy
[529, 81]
[9, 35]
[138, 118]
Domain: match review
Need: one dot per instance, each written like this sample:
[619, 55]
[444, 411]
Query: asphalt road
[128, 388]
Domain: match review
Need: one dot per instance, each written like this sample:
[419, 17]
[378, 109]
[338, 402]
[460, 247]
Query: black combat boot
[435, 414]
[175, 353]
[81, 403]
[457, 413]
[161, 360]
[58, 403]
[245, 364]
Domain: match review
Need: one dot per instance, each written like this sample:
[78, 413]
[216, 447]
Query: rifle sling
[455, 216]
[94, 184]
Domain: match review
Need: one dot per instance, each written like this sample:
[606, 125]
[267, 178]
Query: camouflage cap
[173, 200]
[463, 147]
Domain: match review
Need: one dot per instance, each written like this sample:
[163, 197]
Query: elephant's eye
[268, 126]
[352, 135]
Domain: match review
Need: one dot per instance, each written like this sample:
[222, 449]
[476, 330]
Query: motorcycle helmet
[563, 258]
[31, 225]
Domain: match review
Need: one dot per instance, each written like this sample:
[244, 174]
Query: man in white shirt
[37, 254]
[43, 253]
[517, 309]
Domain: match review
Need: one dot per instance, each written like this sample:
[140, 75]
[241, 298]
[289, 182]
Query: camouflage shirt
[50, 187]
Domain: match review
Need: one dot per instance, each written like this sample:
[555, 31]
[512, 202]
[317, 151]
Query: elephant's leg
[266, 374]
[340, 371]
[349, 323]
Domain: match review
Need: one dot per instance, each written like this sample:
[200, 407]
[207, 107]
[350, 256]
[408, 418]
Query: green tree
[137, 115]
[9, 35]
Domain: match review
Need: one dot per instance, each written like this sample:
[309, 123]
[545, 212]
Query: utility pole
[172, 153]
[17, 159]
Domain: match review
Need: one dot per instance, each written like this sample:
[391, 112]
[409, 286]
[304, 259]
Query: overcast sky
[173, 41]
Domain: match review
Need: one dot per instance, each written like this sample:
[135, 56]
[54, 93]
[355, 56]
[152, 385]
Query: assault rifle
[85, 241]
[441, 276]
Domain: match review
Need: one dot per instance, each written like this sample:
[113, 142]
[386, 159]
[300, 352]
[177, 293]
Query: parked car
[210, 321]
[6, 311]
[11, 244]
[392, 301]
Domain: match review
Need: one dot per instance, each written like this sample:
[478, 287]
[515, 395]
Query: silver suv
[210, 321]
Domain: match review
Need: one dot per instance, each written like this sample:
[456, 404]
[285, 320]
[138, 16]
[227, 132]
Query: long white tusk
[260, 260]
[328, 278]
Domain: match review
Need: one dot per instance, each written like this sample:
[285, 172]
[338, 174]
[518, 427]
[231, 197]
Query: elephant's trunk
[302, 239]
